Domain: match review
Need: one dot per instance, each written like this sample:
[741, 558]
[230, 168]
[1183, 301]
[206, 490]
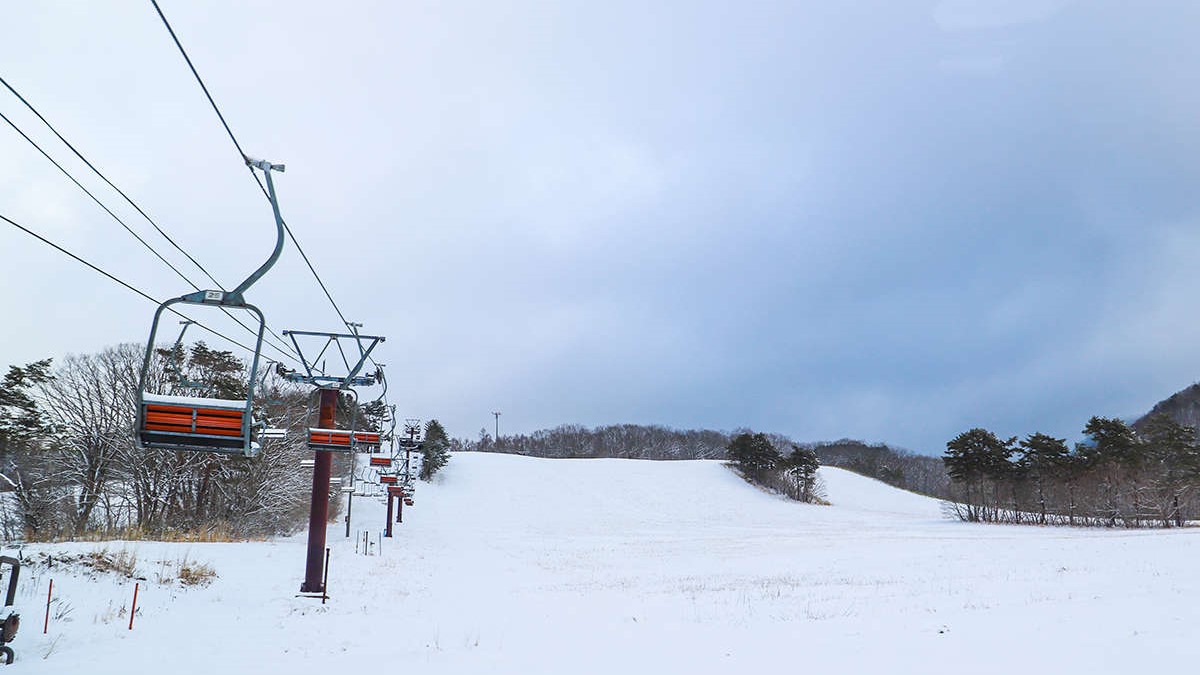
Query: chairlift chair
[202, 423]
[342, 440]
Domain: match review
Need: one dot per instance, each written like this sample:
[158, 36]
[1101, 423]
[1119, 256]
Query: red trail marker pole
[133, 608]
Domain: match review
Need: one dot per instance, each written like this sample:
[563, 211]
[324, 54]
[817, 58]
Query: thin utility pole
[318, 515]
[496, 414]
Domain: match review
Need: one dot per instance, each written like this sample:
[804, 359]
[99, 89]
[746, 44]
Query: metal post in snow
[349, 505]
[49, 593]
[325, 579]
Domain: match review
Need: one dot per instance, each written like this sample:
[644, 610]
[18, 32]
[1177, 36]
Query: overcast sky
[890, 220]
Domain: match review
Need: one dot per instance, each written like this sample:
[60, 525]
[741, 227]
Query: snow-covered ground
[517, 565]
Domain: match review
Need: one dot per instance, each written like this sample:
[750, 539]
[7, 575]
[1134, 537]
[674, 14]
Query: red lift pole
[318, 515]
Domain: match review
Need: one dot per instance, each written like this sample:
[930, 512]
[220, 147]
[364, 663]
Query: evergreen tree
[435, 449]
[801, 465]
[375, 415]
[753, 454]
[974, 457]
[20, 417]
[1115, 453]
[1043, 459]
[1175, 455]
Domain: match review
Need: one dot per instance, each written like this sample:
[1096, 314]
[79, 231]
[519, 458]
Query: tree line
[1120, 476]
[625, 441]
[70, 466]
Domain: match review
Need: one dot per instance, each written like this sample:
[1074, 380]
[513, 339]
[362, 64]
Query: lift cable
[237, 145]
[124, 196]
[117, 218]
[129, 286]
[106, 180]
[99, 203]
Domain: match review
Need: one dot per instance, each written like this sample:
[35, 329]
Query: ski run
[509, 564]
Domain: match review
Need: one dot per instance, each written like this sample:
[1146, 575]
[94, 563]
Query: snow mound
[853, 491]
[568, 497]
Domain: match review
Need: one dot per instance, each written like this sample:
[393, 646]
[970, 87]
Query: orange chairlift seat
[388, 480]
[381, 461]
[193, 422]
[343, 440]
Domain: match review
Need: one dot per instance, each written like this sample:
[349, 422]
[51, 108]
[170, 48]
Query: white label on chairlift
[215, 296]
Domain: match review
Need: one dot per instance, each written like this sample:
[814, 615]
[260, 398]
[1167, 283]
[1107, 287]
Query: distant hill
[1182, 406]
[894, 466]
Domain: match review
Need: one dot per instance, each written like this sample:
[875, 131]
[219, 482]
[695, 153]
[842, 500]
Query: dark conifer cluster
[1119, 477]
[760, 462]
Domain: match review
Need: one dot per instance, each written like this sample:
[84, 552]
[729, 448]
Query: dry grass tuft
[122, 562]
[195, 574]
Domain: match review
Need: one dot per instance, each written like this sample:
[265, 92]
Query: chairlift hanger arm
[266, 167]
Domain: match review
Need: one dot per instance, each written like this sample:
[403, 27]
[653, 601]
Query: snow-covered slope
[849, 490]
[518, 565]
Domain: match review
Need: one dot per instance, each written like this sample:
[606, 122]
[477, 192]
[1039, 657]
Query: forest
[1121, 475]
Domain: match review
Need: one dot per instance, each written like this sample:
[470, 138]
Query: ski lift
[202, 423]
[395, 491]
[342, 440]
[388, 480]
[381, 461]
